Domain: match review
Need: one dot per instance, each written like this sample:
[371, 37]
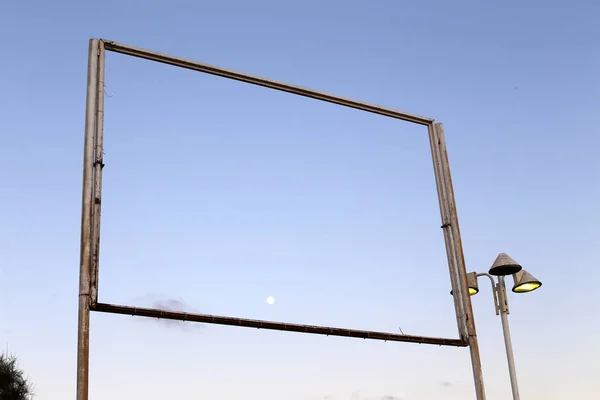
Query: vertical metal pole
[507, 340]
[83, 327]
[443, 203]
[462, 284]
[97, 172]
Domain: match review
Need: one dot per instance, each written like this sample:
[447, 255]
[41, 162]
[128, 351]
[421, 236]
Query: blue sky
[218, 194]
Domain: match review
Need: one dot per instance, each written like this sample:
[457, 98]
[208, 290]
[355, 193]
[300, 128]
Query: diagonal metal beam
[256, 80]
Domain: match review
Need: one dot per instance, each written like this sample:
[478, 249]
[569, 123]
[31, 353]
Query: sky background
[218, 194]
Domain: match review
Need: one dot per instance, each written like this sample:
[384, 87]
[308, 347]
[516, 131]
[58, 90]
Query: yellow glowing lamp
[472, 283]
[525, 282]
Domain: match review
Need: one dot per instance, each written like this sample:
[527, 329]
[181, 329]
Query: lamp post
[523, 282]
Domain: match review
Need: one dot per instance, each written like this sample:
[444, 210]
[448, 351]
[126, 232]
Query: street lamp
[523, 282]
[471, 284]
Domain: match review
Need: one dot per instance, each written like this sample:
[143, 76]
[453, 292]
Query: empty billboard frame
[93, 164]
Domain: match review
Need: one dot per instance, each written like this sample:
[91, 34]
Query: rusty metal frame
[91, 208]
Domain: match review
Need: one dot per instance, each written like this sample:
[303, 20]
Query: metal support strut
[91, 209]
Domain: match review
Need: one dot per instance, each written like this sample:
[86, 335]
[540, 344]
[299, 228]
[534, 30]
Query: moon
[270, 300]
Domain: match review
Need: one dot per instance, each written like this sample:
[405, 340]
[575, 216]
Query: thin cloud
[174, 305]
[167, 304]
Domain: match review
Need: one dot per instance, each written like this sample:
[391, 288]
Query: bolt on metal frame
[91, 207]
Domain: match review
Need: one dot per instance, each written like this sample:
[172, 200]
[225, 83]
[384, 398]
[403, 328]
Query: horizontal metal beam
[277, 326]
[256, 80]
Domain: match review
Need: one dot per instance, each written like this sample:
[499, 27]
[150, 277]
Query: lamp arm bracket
[495, 292]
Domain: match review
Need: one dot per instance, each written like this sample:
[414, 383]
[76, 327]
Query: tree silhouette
[13, 383]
